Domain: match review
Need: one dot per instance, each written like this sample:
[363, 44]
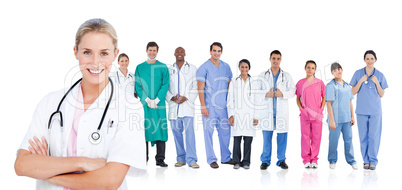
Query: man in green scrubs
[151, 85]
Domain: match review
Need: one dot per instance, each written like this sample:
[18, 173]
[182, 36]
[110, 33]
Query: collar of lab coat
[175, 66]
[100, 102]
[122, 75]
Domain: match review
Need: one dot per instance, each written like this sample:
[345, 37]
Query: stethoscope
[365, 82]
[269, 73]
[118, 78]
[344, 83]
[95, 137]
[249, 83]
[186, 64]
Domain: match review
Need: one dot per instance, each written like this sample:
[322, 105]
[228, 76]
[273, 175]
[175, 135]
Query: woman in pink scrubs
[310, 93]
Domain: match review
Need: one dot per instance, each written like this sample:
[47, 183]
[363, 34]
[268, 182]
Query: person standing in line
[213, 78]
[340, 116]
[243, 116]
[310, 93]
[181, 96]
[276, 88]
[151, 85]
[123, 79]
[369, 84]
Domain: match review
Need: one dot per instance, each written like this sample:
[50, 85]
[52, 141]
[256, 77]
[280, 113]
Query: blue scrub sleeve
[201, 73]
[330, 91]
[383, 82]
[355, 79]
[230, 72]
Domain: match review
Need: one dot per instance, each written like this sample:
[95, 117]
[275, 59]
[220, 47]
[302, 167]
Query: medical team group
[91, 134]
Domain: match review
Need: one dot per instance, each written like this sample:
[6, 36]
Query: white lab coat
[123, 142]
[287, 86]
[188, 88]
[124, 84]
[241, 103]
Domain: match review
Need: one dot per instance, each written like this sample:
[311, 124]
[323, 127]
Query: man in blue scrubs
[213, 78]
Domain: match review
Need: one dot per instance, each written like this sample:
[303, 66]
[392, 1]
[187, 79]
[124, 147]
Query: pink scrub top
[311, 98]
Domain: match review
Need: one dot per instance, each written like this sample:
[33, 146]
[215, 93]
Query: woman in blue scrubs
[340, 117]
[369, 84]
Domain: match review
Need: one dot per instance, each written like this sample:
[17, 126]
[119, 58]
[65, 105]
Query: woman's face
[310, 69]
[95, 55]
[370, 60]
[337, 73]
[123, 62]
[244, 68]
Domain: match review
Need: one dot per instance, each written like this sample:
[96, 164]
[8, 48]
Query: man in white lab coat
[276, 87]
[181, 95]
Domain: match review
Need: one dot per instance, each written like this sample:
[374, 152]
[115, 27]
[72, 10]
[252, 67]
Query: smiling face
[95, 54]
[179, 53]
[216, 52]
[123, 62]
[152, 51]
[370, 60]
[244, 68]
[337, 73]
[275, 60]
[310, 69]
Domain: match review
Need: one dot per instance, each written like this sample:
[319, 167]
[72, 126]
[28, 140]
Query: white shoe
[354, 166]
[314, 165]
[332, 166]
[307, 165]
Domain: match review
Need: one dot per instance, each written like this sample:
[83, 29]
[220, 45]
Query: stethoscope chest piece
[95, 138]
[365, 82]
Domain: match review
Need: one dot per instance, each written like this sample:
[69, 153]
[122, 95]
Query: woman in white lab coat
[242, 114]
[123, 79]
[85, 144]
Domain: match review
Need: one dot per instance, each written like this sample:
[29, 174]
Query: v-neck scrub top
[310, 96]
[216, 84]
[340, 96]
[368, 100]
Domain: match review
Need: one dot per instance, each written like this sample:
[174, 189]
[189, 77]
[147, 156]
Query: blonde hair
[96, 25]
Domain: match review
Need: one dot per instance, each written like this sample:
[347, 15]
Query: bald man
[181, 96]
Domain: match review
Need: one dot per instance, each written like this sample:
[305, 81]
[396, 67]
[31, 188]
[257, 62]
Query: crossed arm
[57, 170]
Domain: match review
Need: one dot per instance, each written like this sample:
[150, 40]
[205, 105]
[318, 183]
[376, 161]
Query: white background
[37, 39]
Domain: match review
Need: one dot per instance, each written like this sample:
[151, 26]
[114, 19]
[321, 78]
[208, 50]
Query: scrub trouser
[246, 150]
[346, 130]
[220, 121]
[281, 141]
[160, 150]
[178, 126]
[311, 131]
[370, 127]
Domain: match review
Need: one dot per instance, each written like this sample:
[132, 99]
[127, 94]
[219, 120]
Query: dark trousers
[246, 149]
[160, 150]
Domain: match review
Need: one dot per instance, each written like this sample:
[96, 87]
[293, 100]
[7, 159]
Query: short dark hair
[122, 55]
[335, 65]
[310, 61]
[370, 52]
[216, 44]
[245, 61]
[275, 52]
[153, 44]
